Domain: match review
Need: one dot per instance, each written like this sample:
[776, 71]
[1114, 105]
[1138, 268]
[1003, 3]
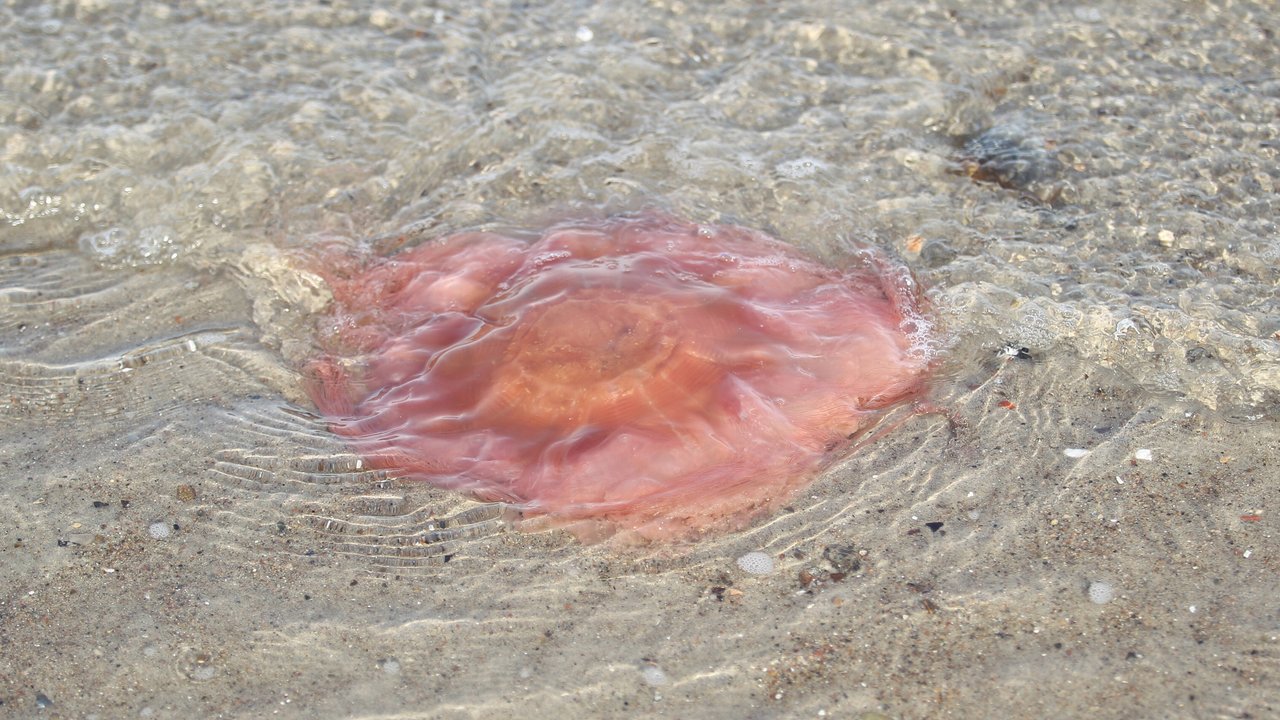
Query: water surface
[1089, 190]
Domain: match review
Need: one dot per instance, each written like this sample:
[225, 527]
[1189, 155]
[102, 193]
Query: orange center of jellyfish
[640, 373]
[601, 359]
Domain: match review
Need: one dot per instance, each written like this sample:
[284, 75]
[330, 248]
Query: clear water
[1094, 183]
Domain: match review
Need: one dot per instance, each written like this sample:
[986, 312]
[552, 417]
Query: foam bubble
[549, 257]
[1101, 592]
[756, 563]
[654, 676]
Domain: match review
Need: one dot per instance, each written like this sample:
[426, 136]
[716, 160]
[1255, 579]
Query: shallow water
[1096, 184]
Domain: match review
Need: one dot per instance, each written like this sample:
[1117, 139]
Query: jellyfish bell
[638, 374]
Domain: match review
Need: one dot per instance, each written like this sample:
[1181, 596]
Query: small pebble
[756, 563]
[1012, 156]
[1101, 592]
[382, 19]
[1143, 454]
[936, 253]
[1075, 452]
[159, 530]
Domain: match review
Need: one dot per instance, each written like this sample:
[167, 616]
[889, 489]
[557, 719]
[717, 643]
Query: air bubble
[799, 168]
[119, 247]
[196, 665]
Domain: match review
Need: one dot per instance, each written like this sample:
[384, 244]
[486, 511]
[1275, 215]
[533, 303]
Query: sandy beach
[1083, 525]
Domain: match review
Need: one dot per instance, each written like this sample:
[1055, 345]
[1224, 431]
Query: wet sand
[1088, 530]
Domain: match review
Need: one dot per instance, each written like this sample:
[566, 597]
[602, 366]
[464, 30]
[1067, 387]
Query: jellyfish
[637, 375]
